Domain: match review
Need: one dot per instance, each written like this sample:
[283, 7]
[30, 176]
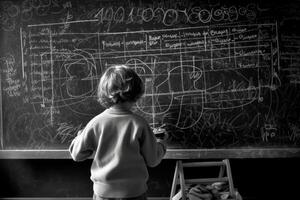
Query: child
[122, 142]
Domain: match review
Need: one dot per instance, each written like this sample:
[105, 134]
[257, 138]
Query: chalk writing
[11, 84]
[290, 58]
[173, 16]
[10, 11]
[216, 74]
[204, 69]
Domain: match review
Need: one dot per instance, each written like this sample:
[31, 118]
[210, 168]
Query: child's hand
[164, 138]
[161, 134]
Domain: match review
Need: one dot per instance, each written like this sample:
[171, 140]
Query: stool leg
[181, 179]
[221, 172]
[175, 181]
[228, 171]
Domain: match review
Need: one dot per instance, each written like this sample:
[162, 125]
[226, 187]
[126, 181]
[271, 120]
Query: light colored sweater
[124, 146]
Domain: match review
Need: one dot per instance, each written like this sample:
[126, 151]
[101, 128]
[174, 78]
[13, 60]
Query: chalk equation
[169, 13]
[290, 58]
[190, 74]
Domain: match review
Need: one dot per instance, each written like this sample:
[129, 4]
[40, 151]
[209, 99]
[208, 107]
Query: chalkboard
[217, 74]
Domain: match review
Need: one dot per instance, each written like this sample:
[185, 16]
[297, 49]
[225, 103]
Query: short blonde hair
[119, 84]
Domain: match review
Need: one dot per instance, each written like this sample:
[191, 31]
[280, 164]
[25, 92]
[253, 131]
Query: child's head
[119, 84]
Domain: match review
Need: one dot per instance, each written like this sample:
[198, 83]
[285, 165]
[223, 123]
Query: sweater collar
[116, 109]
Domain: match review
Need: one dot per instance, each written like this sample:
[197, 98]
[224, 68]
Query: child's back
[124, 145]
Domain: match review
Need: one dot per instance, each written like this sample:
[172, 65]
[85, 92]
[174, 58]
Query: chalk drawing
[192, 70]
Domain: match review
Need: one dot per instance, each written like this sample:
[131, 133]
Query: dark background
[255, 179]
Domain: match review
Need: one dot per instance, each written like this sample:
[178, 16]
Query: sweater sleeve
[82, 145]
[152, 151]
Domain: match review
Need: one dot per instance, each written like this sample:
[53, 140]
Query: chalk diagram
[187, 71]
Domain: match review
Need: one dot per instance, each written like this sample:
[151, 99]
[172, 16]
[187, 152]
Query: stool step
[206, 180]
[203, 164]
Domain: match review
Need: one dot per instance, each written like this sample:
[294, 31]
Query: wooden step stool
[222, 177]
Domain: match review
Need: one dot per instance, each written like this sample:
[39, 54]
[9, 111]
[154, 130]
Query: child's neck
[124, 105]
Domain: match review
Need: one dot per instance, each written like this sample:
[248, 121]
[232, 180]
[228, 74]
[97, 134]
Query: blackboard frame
[236, 153]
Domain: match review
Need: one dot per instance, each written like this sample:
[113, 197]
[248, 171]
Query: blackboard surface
[218, 74]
